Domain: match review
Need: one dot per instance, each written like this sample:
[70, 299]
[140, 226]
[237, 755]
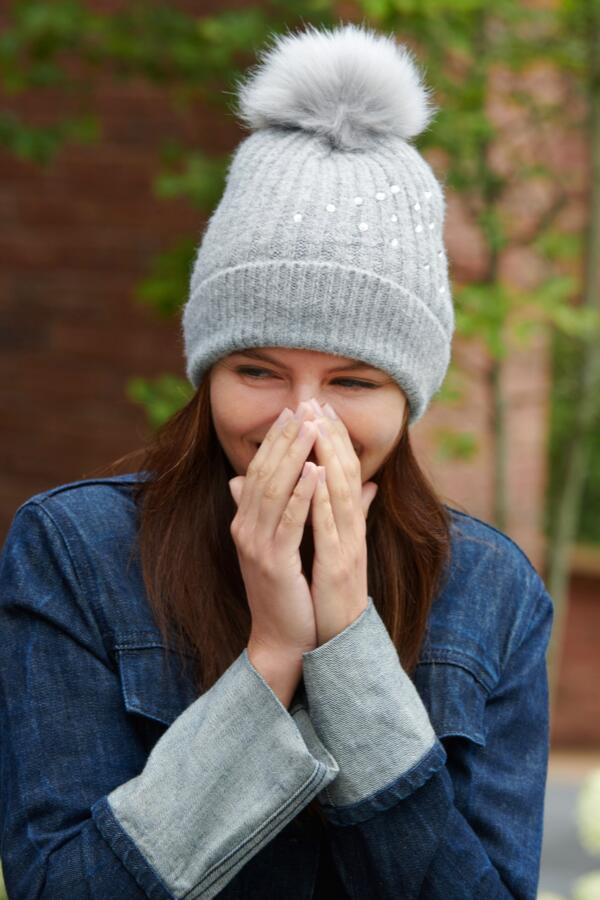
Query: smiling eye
[352, 383]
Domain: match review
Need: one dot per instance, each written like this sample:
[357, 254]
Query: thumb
[236, 486]
[369, 492]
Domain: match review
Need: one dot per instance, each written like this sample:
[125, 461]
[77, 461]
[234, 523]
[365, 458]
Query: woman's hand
[273, 504]
[340, 505]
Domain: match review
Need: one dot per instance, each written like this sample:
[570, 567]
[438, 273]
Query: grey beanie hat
[328, 235]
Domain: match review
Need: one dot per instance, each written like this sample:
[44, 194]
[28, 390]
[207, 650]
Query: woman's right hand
[267, 531]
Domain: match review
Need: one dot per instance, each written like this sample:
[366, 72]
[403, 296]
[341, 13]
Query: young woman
[267, 661]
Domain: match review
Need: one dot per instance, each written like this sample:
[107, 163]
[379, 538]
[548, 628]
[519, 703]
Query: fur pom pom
[349, 85]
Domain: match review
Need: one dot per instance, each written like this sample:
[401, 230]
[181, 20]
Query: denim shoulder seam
[103, 627]
[502, 534]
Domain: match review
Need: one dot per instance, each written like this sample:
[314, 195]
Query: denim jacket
[118, 781]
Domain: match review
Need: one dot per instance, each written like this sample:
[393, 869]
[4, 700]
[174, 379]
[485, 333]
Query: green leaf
[160, 397]
[165, 289]
[454, 445]
[201, 180]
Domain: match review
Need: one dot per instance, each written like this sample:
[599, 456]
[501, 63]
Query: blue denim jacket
[118, 781]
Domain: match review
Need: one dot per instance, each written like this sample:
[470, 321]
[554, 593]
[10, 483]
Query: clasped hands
[339, 508]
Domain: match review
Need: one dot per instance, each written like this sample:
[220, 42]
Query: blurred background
[116, 128]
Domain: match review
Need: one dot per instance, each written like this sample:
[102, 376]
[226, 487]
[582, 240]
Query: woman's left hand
[340, 505]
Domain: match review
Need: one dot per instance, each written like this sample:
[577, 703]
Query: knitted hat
[328, 235]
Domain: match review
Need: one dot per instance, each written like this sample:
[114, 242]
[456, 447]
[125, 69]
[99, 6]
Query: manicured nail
[323, 429]
[330, 411]
[316, 406]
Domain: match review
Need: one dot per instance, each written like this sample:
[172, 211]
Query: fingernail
[283, 417]
[330, 411]
[300, 410]
[316, 406]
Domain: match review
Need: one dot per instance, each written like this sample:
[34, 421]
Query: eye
[351, 383]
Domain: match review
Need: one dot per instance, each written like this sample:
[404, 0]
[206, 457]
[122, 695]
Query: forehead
[296, 358]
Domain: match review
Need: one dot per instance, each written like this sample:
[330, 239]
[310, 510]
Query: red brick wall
[577, 718]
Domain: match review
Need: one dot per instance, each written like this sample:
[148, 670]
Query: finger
[368, 494]
[236, 486]
[276, 494]
[339, 429]
[325, 533]
[274, 448]
[293, 519]
[342, 496]
[340, 439]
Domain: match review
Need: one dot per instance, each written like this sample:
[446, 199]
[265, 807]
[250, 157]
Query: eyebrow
[265, 357]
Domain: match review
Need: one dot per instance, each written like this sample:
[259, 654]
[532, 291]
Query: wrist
[281, 671]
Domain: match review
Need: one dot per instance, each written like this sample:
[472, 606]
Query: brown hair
[189, 560]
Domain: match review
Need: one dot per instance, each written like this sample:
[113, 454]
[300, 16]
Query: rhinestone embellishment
[358, 201]
[330, 207]
[394, 218]
[419, 228]
[380, 195]
[363, 226]
[394, 188]
[298, 217]
[394, 242]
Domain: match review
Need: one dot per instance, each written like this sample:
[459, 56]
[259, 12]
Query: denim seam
[496, 530]
[120, 841]
[83, 582]
[461, 661]
[399, 788]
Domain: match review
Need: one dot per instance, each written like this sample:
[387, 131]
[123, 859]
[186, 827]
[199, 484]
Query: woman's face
[247, 394]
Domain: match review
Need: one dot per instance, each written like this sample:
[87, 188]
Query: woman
[269, 662]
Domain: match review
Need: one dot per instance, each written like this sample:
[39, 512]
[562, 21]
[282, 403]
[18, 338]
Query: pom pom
[350, 85]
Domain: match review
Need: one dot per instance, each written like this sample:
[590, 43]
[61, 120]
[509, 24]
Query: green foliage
[452, 445]
[41, 144]
[200, 179]
[161, 397]
[165, 287]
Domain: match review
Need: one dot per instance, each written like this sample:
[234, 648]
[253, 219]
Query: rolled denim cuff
[365, 710]
[230, 772]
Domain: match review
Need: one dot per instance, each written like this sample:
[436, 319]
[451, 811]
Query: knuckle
[253, 465]
[262, 474]
[345, 495]
[296, 454]
[288, 520]
[272, 491]
[289, 429]
[329, 523]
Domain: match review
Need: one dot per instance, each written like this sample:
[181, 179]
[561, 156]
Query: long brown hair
[189, 560]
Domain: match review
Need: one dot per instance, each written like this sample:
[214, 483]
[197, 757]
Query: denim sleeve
[454, 821]
[82, 814]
